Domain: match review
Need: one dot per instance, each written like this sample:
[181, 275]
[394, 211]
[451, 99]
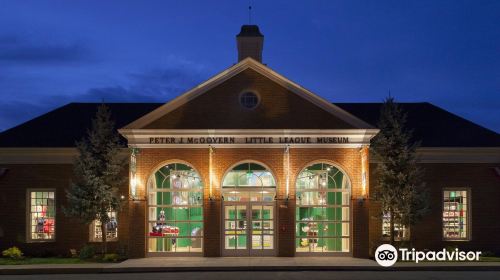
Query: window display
[111, 229]
[322, 212]
[42, 215]
[401, 232]
[455, 214]
[175, 199]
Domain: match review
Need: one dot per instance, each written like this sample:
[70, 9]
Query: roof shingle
[62, 127]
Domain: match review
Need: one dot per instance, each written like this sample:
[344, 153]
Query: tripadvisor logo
[386, 255]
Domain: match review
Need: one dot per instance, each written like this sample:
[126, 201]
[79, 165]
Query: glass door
[235, 229]
[248, 229]
[262, 229]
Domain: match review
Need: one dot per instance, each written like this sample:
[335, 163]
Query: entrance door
[248, 229]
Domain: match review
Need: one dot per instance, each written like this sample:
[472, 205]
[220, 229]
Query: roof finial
[249, 14]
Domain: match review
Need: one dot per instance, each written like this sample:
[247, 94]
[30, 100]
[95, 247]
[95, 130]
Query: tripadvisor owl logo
[386, 255]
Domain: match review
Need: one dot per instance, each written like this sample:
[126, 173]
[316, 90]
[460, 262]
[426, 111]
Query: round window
[249, 100]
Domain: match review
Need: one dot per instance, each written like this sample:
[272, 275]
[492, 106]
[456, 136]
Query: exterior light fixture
[133, 171]
[286, 169]
[211, 151]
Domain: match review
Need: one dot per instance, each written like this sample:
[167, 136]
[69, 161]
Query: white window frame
[29, 236]
[93, 229]
[468, 211]
[396, 226]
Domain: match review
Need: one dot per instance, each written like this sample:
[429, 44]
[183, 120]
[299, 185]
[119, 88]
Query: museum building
[248, 163]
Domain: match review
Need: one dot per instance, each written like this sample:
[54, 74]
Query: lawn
[489, 259]
[7, 261]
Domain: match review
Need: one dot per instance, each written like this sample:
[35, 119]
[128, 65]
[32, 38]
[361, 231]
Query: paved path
[274, 275]
[190, 264]
[247, 262]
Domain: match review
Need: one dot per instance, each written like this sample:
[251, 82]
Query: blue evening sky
[444, 52]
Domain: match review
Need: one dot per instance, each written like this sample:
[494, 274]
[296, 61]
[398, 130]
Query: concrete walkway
[178, 264]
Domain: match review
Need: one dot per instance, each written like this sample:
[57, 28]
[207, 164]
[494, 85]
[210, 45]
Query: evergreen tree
[399, 187]
[98, 171]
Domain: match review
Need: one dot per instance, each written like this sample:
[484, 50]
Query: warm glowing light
[210, 172]
[133, 175]
[286, 163]
[133, 185]
[364, 170]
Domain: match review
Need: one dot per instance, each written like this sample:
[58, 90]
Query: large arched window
[322, 211]
[248, 182]
[248, 190]
[175, 209]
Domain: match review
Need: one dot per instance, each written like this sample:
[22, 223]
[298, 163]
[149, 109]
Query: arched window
[248, 190]
[322, 211]
[175, 209]
[248, 182]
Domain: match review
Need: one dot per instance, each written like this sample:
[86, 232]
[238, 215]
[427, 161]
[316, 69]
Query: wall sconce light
[286, 165]
[211, 151]
[364, 171]
[133, 175]
[361, 200]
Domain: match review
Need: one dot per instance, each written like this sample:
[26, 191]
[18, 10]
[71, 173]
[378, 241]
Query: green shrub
[87, 252]
[13, 253]
[110, 258]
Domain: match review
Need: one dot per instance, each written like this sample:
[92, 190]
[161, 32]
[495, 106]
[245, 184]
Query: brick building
[248, 163]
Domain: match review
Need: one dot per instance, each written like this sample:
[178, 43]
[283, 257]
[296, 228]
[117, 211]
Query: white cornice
[39, 155]
[459, 155]
[140, 138]
[456, 155]
[233, 71]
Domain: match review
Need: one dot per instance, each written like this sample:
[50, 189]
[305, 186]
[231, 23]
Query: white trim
[41, 155]
[29, 233]
[257, 94]
[243, 146]
[455, 155]
[468, 224]
[459, 155]
[140, 138]
[233, 71]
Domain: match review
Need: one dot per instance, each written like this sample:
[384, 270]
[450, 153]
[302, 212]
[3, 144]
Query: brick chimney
[250, 43]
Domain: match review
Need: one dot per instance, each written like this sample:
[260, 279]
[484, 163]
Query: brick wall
[148, 160]
[219, 108]
[366, 224]
[484, 187]
[70, 232]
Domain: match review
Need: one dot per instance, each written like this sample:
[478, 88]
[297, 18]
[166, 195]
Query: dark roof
[65, 125]
[433, 126]
[250, 31]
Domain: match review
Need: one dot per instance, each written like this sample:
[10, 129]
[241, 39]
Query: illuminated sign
[249, 140]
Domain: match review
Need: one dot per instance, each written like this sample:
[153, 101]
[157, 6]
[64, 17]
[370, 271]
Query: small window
[401, 232]
[41, 215]
[249, 100]
[111, 229]
[456, 213]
